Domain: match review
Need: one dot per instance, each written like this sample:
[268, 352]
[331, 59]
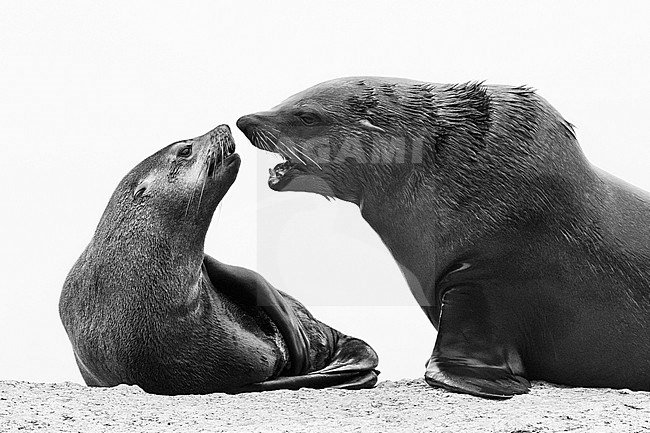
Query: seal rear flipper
[250, 288]
[351, 366]
[355, 360]
[351, 354]
[481, 381]
[475, 351]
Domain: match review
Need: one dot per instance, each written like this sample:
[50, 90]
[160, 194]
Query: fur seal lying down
[144, 305]
[530, 262]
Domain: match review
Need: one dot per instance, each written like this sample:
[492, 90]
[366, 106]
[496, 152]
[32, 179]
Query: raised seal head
[181, 184]
[144, 305]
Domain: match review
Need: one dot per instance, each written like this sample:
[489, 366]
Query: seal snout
[222, 153]
[224, 129]
[252, 123]
[259, 130]
[224, 140]
[246, 124]
[220, 148]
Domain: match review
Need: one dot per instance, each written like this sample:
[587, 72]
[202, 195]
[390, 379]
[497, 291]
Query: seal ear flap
[367, 125]
[141, 188]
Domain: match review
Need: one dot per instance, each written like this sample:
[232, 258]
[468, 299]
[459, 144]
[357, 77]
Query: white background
[89, 89]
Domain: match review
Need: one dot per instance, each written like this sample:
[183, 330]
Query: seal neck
[145, 264]
[412, 234]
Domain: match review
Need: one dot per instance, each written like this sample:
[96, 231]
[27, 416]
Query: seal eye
[308, 118]
[185, 152]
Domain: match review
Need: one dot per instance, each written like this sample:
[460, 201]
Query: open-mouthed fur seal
[530, 262]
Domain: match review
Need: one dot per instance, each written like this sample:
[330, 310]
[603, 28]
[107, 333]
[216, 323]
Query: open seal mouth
[283, 172]
[296, 159]
[221, 153]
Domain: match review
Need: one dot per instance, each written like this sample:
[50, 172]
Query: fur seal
[144, 305]
[530, 262]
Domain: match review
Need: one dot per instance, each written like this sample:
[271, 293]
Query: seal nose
[224, 128]
[245, 123]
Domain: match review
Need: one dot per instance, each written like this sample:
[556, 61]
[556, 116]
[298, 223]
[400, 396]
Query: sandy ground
[406, 405]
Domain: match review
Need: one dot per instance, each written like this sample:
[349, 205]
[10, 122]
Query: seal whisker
[288, 149]
[260, 140]
[270, 134]
[205, 179]
[206, 165]
[222, 153]
[212, 163]
[298, 147]
[280, 145]
[187, 208]
[256, 139]
[268, 142]
[271, 139]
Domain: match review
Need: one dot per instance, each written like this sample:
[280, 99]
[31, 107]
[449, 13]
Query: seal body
[144, 305]
[530, 262]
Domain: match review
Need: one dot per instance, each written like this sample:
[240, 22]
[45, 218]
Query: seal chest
[530, 262]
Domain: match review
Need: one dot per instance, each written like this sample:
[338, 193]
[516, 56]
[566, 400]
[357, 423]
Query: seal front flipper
[479, 380]
[473, 353]
[251, 288]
